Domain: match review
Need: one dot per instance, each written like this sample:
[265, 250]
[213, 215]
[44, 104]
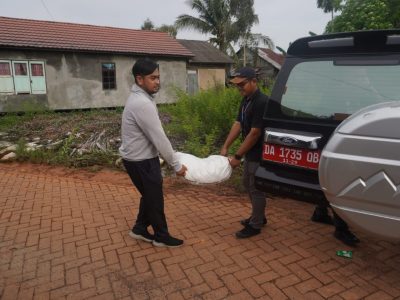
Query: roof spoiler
[347, 42]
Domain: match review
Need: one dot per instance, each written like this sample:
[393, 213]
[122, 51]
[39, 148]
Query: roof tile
[80, 37]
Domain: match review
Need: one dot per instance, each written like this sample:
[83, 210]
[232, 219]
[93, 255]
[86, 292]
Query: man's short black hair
[144, 66]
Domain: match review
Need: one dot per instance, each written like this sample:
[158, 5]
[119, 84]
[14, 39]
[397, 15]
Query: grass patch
[61, 133]
[8, 121]
[202, 122]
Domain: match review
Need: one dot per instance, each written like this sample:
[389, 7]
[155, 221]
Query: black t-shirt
[250, 115]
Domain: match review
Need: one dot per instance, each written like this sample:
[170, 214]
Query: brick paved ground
[63, 237]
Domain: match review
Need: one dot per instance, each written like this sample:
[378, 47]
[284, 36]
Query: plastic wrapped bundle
[213, 169]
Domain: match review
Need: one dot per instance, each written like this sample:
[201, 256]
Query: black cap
[243, 74]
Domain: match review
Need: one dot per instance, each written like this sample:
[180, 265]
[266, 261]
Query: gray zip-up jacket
[143, 136]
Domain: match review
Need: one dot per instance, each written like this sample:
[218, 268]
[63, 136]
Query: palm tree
[252, 41]
[329, 5]
[225, 20]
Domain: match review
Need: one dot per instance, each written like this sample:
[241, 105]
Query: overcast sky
[282, 20]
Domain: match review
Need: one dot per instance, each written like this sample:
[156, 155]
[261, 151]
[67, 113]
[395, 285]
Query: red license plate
[292, 156]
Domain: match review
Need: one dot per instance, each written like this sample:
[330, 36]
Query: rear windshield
[336, 89]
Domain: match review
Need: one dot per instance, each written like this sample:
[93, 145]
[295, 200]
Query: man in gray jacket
[143, 138]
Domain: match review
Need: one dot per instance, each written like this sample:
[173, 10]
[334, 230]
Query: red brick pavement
[63, 237]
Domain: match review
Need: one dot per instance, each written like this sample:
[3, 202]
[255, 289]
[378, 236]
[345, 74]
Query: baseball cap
[242, 74]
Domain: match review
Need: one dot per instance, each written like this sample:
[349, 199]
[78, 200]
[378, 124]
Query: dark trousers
[146, 176]
[257, 198]
[338, 222]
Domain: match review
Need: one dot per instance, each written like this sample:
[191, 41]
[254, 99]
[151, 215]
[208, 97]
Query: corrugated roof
[276, 57]
[24, 33]
[205, 53]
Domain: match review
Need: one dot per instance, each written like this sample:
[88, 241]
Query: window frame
[9, 67]
[8, 77]
[109, 85]
[22, 82]
[28, 77]
[34, 89]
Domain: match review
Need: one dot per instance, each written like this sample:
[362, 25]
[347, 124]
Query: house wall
[74, 80]
[210, 77]
[267, 69]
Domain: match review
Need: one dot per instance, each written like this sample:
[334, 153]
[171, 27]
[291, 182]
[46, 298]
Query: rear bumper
[274, 183]
[379, 225]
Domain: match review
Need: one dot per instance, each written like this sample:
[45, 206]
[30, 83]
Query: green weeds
[203, 121]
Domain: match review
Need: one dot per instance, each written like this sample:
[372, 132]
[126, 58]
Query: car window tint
[323, 89]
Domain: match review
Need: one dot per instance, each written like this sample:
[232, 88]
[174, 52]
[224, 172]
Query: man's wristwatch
[238, 157]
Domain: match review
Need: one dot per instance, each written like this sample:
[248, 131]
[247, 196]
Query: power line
[48, 11]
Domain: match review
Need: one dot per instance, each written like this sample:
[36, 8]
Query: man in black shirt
[249, 124]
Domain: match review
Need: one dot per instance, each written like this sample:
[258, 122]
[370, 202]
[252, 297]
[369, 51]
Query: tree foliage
[252, 41]
[147, 25]
[225, 20]
[170, 29]
[329, 5]
[394, 10]
[364, 15]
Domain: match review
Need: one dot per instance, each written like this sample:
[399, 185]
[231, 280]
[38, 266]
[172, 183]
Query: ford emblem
[288, 140]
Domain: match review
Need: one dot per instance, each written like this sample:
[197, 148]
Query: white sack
[213, 169]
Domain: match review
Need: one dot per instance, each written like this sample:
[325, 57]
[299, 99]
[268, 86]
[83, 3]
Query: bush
[203, 121]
